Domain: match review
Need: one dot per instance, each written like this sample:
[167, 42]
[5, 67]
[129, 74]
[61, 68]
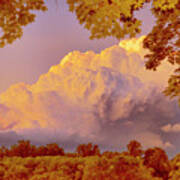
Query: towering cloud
[107, 98]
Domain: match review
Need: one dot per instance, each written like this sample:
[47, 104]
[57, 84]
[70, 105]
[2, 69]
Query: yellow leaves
[163, 41]
[175, 172]
[103, 17]
[164, 4]
[139, 3]
[125, 7]
[14, 14]
[173, 89]
[2, 44]
[71, 5]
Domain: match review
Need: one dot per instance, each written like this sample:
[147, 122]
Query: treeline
[26, 149]
[50, 162]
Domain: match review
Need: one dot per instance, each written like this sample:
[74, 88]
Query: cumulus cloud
[171, 128]
[107, 98]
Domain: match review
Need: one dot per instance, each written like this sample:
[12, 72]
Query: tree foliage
[157, 159]
[14, 14]
[87, 150]
[26, 149]
[107, 17]
[164, 42]
[50, 162]
[175, 171]
[135, 148]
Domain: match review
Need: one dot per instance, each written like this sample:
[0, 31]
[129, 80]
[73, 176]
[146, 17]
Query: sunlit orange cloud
[94, 97]
[175, 128]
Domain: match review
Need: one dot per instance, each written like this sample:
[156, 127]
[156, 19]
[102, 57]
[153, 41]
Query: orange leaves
[165, 36]
[173, 90]
[157, 159]
[87, 150]
[25, 149]
[135, 148]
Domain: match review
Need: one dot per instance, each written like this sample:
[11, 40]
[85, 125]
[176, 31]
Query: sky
[57, 85]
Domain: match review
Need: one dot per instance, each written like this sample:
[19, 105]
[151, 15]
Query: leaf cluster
[14, 14]
[108, 17]
[163, 42]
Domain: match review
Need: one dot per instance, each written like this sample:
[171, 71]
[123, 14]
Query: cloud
[175, 128]
[149, 139]
[107, 98]
[8, 138]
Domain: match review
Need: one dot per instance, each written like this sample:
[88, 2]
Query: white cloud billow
[92, 97]
[175, 128]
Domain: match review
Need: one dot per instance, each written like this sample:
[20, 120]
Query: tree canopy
[115, 18]
[26, 161]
